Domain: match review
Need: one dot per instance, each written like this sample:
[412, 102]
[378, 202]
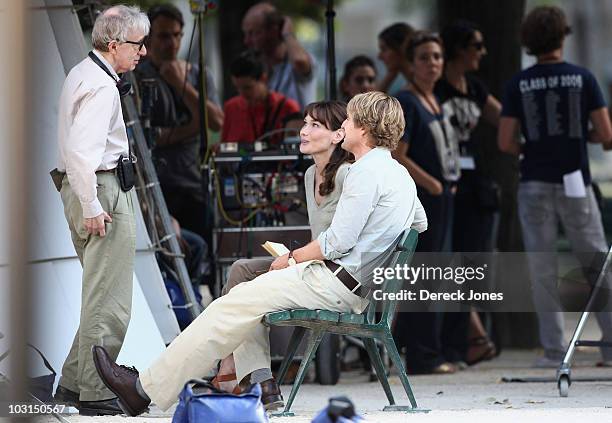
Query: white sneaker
[546, 363]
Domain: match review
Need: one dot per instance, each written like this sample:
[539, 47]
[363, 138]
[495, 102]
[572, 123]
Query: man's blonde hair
[380, 115]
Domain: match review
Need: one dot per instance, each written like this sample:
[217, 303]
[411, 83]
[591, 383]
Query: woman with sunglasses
[465, 100]
[430, 153]
[359, 77]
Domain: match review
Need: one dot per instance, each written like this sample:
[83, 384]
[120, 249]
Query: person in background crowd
[91, 140]
[552, 103]
[429, 151]
[256, 110]
[359, 77]
[392, 42]
[465, 100]
[176, 112]
[292, 69]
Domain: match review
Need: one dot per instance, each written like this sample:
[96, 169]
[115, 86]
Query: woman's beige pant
[233, 324]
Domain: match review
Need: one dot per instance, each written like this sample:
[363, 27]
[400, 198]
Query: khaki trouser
[245, 270]
[106, 298]
[233, 324]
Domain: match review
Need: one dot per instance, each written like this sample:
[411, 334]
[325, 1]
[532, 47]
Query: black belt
[113, 171]
[343, 275]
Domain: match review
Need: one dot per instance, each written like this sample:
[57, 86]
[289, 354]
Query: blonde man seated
[377, 204]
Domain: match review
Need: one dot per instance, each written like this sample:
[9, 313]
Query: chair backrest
[401, 256]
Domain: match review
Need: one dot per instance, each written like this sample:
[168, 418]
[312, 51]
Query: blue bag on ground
[201, 402]
[339, 410]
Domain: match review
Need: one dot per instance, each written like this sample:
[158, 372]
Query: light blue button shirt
[378, 203]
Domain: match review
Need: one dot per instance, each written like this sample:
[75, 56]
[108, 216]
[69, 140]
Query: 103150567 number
[13, 409]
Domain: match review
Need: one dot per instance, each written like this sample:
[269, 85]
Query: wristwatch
[291, 260]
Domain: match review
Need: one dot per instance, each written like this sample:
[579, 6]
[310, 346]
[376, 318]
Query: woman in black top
[429, 151]
[465, 100]
[429, 147]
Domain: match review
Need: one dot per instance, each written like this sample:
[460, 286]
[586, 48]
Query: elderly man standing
[378, 203]
[291, 68]
[92, 138]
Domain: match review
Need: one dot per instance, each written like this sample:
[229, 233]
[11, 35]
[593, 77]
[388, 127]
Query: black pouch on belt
[126, 172]
[57, 177]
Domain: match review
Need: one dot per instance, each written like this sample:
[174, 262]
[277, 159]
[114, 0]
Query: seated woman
[321, 136]
[359, 77]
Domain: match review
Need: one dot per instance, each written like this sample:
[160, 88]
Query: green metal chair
[363, 326]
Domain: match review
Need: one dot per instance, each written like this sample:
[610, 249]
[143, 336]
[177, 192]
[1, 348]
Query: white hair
[115, 23]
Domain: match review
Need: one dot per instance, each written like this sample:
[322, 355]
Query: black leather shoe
[66, 397]
[271, 395]
[121, 380]
[108, 407]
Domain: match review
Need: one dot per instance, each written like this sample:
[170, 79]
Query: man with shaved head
[291, 69]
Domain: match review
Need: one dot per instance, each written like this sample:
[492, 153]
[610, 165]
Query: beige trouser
[106, 298]
[245, 270]
[233, 323]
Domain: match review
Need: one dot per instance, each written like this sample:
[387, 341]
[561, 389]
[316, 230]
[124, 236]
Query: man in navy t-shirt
[552, 103]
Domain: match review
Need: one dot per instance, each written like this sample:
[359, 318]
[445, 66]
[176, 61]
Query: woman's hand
[280, 262]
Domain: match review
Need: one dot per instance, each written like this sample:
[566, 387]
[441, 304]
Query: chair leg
[313, 343]
[294, 343]
[379, 367]
[397, 362]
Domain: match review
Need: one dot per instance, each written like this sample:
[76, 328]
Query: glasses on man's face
[140, 43]
[478, 45]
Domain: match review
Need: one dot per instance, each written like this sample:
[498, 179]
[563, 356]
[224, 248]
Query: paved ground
[474, 395]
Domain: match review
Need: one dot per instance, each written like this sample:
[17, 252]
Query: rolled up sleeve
[359, 197]
[86, 144]
[419, 223]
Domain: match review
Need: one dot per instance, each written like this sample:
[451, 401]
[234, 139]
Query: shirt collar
[108, 65]
[373, 154]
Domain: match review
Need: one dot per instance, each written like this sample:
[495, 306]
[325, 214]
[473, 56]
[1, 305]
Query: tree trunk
[500, 25]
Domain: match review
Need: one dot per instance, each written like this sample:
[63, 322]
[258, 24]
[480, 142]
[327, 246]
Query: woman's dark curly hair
[331, 114]
[544, 30]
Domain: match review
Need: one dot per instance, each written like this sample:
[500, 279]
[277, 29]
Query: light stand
[331, 51]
